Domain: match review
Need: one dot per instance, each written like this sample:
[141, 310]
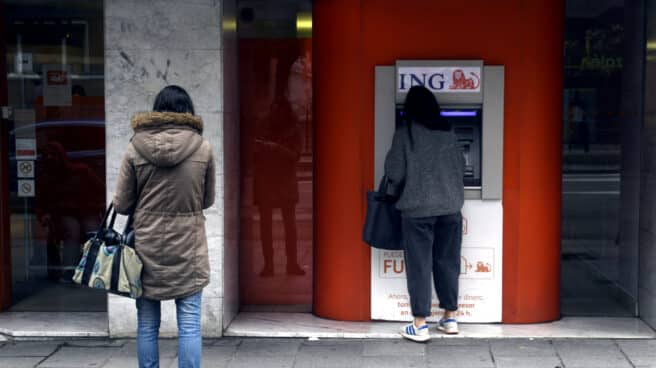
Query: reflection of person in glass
[277, 151]
[576, 115]
[69, 202]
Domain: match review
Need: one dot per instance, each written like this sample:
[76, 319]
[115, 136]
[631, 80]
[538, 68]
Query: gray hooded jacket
[429, 175]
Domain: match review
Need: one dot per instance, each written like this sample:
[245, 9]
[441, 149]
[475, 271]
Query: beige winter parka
[167, 179]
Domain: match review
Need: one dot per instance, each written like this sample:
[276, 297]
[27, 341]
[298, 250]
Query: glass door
[54, 147]
[601, 154]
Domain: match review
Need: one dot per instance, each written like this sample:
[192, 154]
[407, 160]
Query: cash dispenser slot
[466, 122]
[466, 140]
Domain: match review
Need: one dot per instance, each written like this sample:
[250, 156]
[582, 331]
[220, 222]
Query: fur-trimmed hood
[155, 119]
[165, 138]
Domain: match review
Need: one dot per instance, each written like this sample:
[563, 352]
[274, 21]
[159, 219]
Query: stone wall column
[148, 45]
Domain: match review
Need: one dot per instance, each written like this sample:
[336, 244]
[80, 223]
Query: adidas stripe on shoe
[418, 334]
[448, 326]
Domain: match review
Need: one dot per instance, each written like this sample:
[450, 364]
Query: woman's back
[171, 169]
[429, 165]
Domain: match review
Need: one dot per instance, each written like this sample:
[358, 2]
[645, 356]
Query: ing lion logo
[460, 80]
[481, 267]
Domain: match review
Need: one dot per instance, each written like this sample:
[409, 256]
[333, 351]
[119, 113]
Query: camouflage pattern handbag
[109, 261]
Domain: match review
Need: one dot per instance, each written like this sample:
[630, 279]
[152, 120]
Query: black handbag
[382, 227]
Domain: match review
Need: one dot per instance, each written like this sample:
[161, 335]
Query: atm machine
[471, 96]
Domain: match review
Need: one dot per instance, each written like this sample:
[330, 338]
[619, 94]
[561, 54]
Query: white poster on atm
[479, 297]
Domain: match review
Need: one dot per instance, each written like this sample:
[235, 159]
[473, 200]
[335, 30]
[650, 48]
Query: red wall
[351, 37]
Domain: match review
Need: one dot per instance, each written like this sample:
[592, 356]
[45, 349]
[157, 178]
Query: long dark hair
[422, 107]
[173, 99]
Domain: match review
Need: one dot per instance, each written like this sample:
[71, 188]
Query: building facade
[289, 92]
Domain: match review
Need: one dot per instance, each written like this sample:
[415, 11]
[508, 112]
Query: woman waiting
[425, 167]
[166, 180]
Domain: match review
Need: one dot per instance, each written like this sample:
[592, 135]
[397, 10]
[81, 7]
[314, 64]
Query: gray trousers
[432, 245]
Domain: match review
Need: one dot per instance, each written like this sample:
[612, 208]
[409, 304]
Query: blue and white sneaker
[448, 326]
[418, 334]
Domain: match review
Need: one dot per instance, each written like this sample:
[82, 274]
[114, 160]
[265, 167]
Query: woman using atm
[425, 167]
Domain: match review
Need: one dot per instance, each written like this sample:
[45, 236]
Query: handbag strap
[384, 183]
[109, 213]
[128, 224]
[113, 219]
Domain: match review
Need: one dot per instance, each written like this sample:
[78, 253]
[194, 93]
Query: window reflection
[601, 117]
[55, 85]
[276, 156]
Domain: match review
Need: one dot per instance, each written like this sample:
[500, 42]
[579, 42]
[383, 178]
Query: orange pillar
[532, 260]
[342, 279]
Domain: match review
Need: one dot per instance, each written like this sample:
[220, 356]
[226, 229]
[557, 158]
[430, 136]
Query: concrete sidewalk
[262, 353]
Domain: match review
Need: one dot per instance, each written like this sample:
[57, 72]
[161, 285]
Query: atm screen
[467, 126]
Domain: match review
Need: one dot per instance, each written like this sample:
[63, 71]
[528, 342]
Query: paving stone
[393, 348]
[268, 347]
[13, 362]
[28, 349]
[68, 357]
[261, 361]
[526, 361]
[644, 361]
[458, 341]
[124, 362]
[575, 344]
[522, 347]
[167, 349]
[345, 343]
[132, 362]
[344, 346]
[330, 354]
[591, 353]
[393, 362]
[229, 341]
[328, 362]
[586, 360]
[638, 348]
[92, 343]
[214, 356]
[460, 356]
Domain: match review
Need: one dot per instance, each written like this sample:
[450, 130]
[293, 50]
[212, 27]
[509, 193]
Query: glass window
[600, 162]
[275, 78]
[55, 147]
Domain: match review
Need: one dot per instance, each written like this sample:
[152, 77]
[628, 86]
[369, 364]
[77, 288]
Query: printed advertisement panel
[480, 271]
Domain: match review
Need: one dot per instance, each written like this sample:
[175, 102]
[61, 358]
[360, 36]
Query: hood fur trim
[154, 119]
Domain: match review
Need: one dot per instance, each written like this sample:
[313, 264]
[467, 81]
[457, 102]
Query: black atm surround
[466, 124]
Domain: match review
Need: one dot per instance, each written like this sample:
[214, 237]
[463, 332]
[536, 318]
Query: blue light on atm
[459, 113]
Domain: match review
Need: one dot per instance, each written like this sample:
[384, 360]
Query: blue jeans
[189, 339]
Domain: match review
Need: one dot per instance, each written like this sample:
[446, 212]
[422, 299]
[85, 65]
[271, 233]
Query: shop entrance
[275, 80]
[52, 151]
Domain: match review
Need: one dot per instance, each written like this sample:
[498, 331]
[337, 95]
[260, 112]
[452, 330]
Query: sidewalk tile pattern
[343, 353]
